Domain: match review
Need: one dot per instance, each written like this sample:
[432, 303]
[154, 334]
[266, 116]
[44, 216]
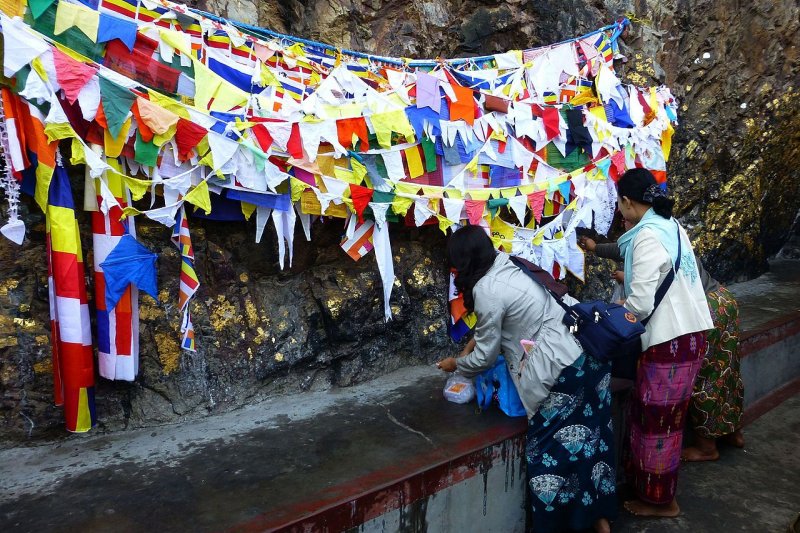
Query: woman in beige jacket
[570, 454]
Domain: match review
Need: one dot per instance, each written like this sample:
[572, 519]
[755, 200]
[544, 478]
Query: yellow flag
[444, 223]
[298, 186]
[359, 170]
[138, 187]
[129, 211]
[401, 204]
[56, 131]
[479, 194]
[44, 175]
[248, 209]
[177, 40]
[666, 140]
[414, 162]
[85, 19]
[199, 196]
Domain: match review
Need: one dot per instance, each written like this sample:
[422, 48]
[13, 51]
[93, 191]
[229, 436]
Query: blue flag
[129, 262]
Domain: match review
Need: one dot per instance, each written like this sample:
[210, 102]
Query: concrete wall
[491, 498]
[770, 358]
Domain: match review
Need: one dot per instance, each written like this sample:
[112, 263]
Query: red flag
[361, 197]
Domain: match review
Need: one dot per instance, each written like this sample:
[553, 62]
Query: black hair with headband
[640, 185]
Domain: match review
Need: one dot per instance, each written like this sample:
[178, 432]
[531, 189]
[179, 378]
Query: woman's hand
[587, 244]
[619, 276]
[448, 365]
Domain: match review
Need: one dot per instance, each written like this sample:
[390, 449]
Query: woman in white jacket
[673, 344]
[570, 449]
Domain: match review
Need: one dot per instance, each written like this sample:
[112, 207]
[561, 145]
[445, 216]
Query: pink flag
[536, 201]
[475, 210]
[72, 75]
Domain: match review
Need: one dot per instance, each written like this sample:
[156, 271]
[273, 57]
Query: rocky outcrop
[262, 331]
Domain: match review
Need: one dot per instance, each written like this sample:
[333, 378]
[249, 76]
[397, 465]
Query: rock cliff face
[733, 65]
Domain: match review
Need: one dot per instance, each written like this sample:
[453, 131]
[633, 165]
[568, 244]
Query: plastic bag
[459, 389]
[496, 386]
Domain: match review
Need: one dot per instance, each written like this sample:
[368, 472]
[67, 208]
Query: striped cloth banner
[73, 361]
[117, 328]
[189, 281]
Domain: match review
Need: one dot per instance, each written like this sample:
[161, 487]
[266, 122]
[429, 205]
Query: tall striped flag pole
[73, 361]
[188, 279]
[117, 328]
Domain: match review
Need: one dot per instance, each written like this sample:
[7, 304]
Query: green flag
[117, 102]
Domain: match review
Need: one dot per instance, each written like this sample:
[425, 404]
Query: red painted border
[359, 500]
[770, 401]
[752, 341]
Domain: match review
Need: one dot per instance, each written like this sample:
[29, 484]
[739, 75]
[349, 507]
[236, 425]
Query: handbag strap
[665, 285]
[524, 268]
[660, 292]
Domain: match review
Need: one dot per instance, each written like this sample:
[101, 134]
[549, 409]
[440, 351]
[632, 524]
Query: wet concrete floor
[756, 489]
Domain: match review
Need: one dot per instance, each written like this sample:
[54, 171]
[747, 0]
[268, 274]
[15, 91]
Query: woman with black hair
[570, 453]
[673, 344]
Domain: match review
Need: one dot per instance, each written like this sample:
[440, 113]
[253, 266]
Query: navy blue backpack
[606, 331]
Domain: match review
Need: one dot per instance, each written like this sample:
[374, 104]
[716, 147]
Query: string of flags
[177, 114]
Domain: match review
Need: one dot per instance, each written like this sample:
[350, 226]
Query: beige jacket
[511, 307]
[684, 308]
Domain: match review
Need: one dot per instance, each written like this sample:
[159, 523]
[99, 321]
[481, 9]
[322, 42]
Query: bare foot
[602, 526]
[735, 439]
[640, 508]
[696, 455]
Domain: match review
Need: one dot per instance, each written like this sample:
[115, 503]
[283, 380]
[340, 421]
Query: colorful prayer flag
[71, 334]
[188, 278]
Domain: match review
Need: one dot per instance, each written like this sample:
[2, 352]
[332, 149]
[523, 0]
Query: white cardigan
[684, 308]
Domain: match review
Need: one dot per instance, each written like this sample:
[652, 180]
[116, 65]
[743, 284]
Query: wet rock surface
[263, 332]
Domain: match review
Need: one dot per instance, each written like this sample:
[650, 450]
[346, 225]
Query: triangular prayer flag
[187, 136]
[361, 197]
[145, 153]
[79, 16]
[111, 27]
[199, 196]
[495, 204]
[39, 6]
[444, 223]
[551, 118]
[464, 107]
[117, 102]
[518, 204]
[536, 201]
[359, 170]
[564, 189]
[475, 210]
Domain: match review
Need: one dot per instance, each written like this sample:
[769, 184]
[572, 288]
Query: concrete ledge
[770, 357]
[770, 368]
